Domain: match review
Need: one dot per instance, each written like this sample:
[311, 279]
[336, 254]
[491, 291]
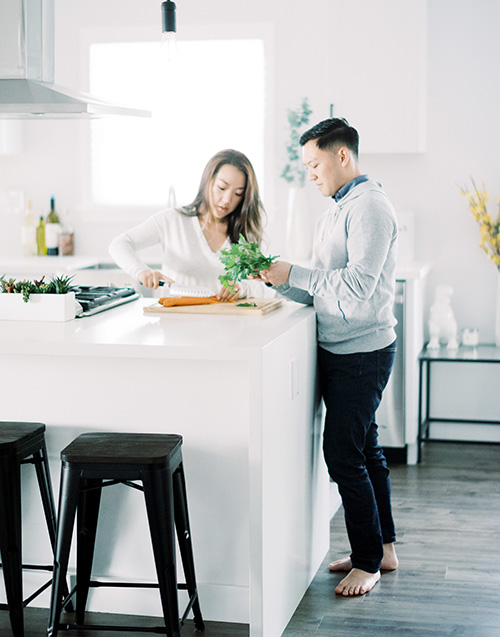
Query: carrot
[172, 301]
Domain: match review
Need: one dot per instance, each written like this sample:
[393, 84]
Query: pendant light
[169, 74]
[169, 28]
[169, 87]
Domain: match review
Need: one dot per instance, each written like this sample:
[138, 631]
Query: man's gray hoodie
[352, 277]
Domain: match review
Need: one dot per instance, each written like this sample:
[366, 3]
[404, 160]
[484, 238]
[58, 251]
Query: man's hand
[277, 274]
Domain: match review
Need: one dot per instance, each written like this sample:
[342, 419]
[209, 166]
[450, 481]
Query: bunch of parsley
[240, 260]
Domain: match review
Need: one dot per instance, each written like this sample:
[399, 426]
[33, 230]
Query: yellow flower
[489, 230]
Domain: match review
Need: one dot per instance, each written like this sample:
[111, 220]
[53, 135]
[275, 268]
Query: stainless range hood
[27, 90]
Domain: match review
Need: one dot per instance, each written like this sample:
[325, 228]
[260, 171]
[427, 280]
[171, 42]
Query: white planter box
[40, 307]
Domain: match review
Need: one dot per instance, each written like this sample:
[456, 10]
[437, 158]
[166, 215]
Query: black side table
[464, 354]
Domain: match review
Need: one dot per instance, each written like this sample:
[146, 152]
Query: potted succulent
[298, 223]
[37, 300]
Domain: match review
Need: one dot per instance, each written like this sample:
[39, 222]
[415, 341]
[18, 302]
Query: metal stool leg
[41, 462]
[87, 516]
[45, 486]
[185, 543]
[158, 494]
[10, 540]
[66, 518]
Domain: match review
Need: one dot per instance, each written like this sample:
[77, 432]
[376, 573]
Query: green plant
[293, 171]
[60, 285]
[26, 288]
[7, 285]
[240, 260]
[57, 285]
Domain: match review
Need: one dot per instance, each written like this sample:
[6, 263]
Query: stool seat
[120, 448]
[14, 436]
[94, 461]
[21, 443]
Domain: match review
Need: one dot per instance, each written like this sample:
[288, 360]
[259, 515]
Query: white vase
[298, 226]
[497, 315]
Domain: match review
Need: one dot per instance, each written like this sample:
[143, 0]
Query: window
[217, 102]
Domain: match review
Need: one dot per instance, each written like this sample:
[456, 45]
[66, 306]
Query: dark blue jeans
[352, 386]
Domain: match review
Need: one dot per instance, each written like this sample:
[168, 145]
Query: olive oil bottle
[41, 246]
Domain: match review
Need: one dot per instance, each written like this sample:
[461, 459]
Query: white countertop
[28, 265]
[412, 270]
[126, 331]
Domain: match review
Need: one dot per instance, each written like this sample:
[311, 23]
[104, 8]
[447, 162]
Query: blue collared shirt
[342, 192]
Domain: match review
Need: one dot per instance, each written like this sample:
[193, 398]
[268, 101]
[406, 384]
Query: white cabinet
[243, 395]
[377, 71]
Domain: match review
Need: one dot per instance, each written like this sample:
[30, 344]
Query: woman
[227, 205]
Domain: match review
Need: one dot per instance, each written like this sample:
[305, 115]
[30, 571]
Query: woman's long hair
[246, 219]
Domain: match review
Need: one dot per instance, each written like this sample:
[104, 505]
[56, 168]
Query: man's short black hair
[331, 133]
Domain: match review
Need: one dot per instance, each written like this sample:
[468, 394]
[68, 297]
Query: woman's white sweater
[186, 256]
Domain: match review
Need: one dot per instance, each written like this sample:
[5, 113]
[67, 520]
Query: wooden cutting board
[263, 306]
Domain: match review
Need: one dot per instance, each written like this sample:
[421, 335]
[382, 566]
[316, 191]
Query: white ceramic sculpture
[442, 323]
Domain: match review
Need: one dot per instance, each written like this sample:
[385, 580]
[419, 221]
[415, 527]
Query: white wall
[462, 130]
[463, 136]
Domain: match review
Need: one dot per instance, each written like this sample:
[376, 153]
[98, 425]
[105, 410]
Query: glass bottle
[28, 232]
[52, 230]
[41, 246]
[66, 237]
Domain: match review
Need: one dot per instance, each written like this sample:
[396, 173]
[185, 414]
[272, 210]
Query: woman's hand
[152, 278]
[225, 294]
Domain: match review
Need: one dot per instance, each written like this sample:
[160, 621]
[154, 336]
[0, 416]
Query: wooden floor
[447, 512]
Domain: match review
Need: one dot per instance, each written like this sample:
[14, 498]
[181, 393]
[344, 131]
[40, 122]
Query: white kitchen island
[242, 393]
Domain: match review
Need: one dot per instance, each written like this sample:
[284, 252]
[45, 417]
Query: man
[351, 285]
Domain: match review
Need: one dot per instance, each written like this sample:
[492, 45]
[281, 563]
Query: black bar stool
[21, 443]
[96, 460]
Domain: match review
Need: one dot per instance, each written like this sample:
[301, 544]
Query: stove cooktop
[94, 299]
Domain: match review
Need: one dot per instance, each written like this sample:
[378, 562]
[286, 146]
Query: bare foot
[344, 564]
[357, 582]
[389, 561]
